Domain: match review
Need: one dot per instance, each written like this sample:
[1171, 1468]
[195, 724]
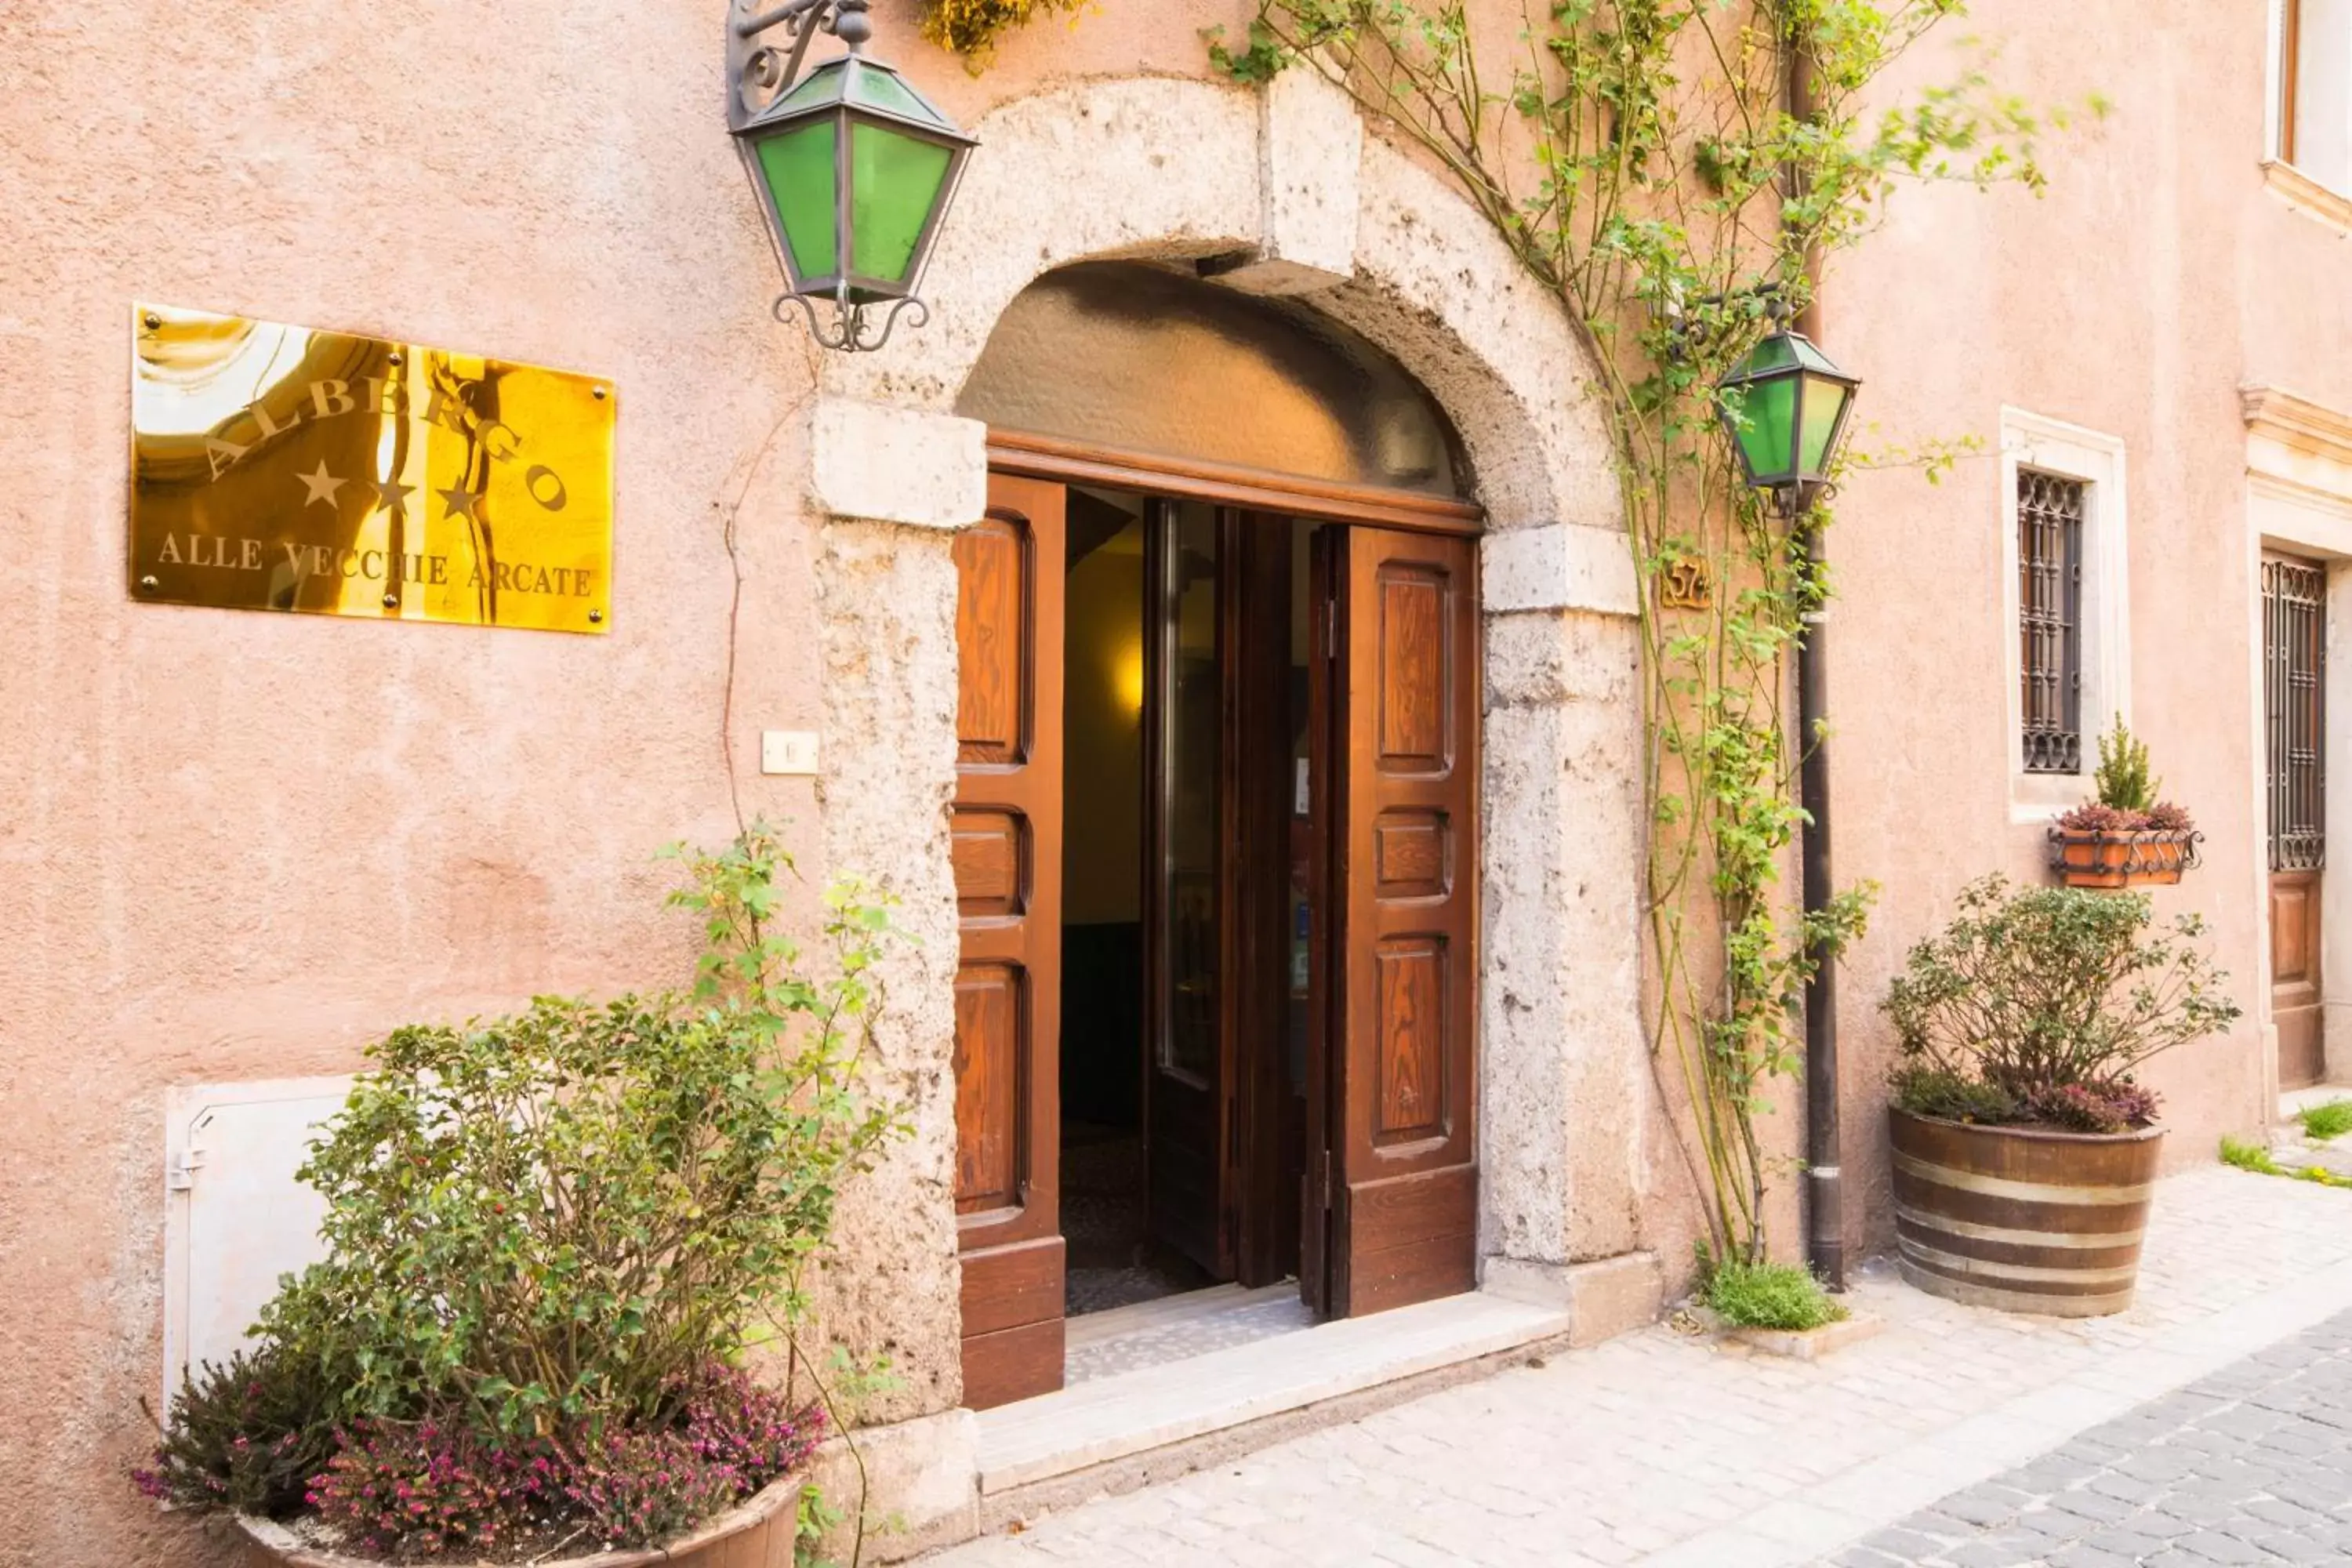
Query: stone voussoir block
[882, 464]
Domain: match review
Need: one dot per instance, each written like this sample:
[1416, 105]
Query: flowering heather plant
[438, 1489]
[2096, 816]
[2116, 1106]
[732, 1438]
[243, 1437]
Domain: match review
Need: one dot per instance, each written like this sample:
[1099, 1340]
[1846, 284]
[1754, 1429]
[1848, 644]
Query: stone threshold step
[1132, 1413]
[1166, 1311]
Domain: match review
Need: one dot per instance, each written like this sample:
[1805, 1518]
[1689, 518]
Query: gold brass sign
[276, 467]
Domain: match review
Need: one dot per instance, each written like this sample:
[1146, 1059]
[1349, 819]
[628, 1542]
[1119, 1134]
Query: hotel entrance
[1214, 841]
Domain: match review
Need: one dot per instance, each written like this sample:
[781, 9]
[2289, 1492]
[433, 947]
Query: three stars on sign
[320, 487]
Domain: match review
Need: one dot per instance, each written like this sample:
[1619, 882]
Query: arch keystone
[1310, 159]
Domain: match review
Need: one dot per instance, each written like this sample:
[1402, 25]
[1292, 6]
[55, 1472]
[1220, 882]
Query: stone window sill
[2307, 195]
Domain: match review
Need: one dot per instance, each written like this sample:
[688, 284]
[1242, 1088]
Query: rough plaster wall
[241, 846]
[886, 596]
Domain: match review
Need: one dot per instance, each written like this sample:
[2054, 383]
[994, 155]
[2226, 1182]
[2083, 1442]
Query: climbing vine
[1642, 161]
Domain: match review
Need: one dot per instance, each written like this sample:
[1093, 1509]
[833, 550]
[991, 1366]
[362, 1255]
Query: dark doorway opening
[1186, 857]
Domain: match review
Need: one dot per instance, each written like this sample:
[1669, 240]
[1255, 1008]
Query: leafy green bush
[1770, 1296]
[2044, 1001]
[555, 1224]
[2321, 1122]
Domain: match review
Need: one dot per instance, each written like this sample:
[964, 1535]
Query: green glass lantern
[855, 171]
[1786, 408]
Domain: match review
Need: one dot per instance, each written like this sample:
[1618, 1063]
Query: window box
[2147, 857]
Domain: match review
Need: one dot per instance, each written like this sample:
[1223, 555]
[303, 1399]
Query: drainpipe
[1824, 1206]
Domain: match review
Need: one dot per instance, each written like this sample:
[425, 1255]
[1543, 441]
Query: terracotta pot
[758, 1534]
[2148, 857]
[2023, 1218]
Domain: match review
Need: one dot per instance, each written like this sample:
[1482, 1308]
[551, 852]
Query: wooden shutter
[1007, 846]
[1404, 678]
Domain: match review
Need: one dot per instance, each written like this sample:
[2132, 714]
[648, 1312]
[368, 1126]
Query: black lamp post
[1786, 409]
[853, 167]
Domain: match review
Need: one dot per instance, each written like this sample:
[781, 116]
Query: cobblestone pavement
[2250, 1464]
[1666, 1451]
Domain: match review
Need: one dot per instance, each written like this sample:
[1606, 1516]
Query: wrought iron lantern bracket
[759, 73]
[767, 46]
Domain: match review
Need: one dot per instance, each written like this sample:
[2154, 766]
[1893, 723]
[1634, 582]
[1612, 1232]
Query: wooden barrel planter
[757, 1533]
[2023, 1218]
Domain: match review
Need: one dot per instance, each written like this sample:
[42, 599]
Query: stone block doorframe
[1284, 187]
[2298, 539]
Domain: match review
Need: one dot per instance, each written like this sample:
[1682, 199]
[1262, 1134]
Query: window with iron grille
[2294, 633]
[2050, 619]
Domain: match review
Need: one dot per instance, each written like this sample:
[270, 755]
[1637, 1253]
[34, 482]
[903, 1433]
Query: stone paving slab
[1669, 1452]
[2250, 1464]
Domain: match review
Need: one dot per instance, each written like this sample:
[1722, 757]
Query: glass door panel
[1186, 721]
[1190, 716]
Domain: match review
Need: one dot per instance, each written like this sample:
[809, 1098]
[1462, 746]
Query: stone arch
[1284, 187]
[1286, 180]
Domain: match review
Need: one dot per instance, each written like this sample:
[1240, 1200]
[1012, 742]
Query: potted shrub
[549, 1238]
[2025, 1150]
[2125, 836]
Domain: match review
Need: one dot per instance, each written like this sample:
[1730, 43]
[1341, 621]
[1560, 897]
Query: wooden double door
[1362, 1178]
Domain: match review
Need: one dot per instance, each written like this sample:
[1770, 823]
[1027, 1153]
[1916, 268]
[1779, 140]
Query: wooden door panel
[1408, 1243]
[1007, 848]
[995, 639]
[2294, 977]
[992, 1049]
[1412, 854]
[1411, 1030]
[1403, 709]
[1411, 690]
[987, 845]
[2293, 954]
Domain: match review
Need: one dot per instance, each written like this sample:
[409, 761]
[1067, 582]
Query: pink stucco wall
[240, 846]
[2154, 278]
